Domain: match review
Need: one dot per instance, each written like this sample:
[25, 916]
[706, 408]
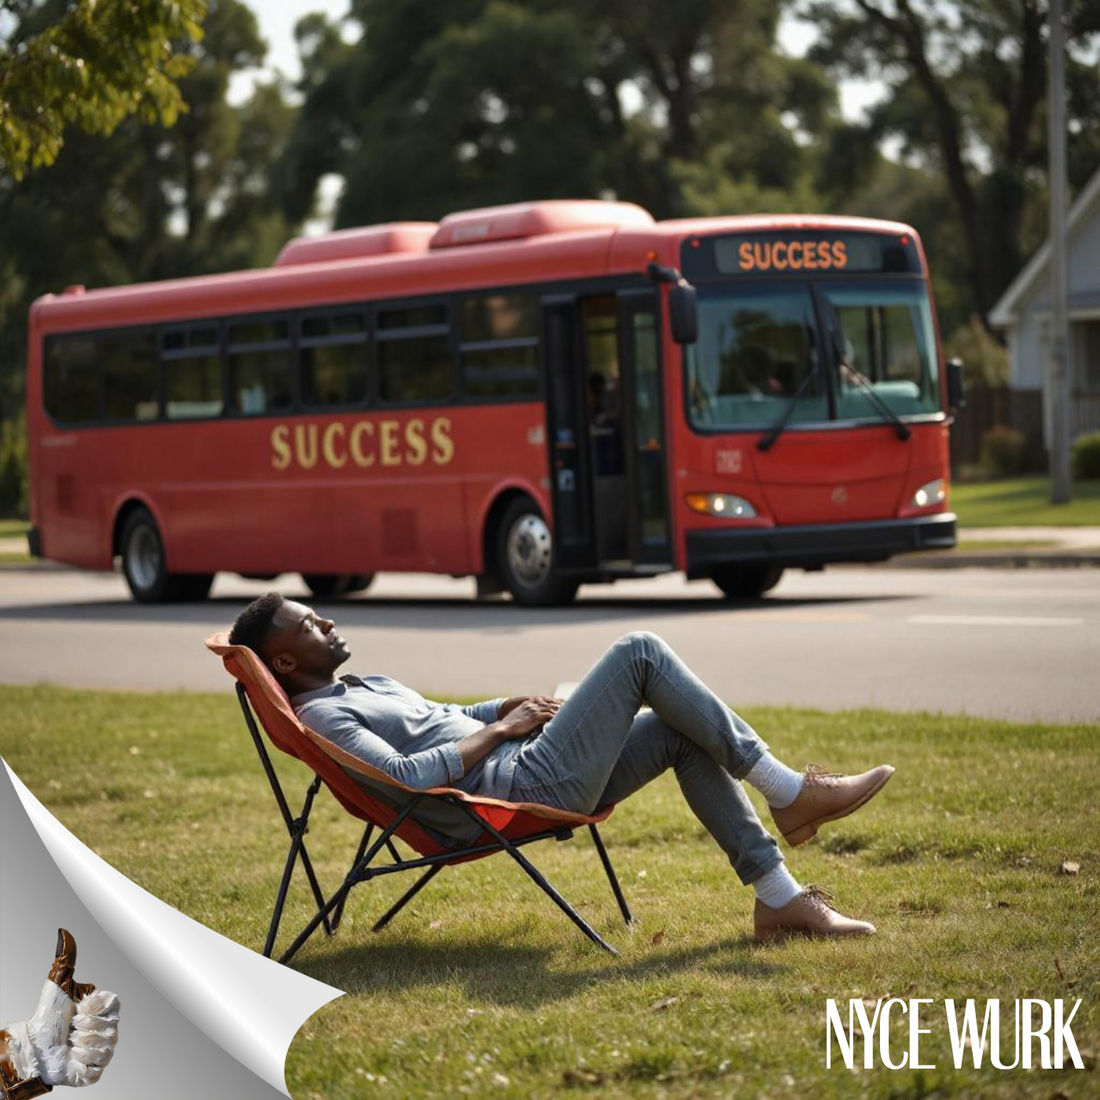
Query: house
[1023, 313]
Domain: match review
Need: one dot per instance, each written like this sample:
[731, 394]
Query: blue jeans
[597, 749]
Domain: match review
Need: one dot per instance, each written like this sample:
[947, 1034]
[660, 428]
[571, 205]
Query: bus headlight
[935, 492]
[725, 505]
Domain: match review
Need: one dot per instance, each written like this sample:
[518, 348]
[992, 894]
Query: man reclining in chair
[589, 751]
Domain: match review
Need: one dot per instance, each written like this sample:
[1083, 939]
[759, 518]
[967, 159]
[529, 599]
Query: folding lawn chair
[504, 826]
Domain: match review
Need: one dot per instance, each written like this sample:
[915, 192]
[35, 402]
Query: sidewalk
[1055, 547]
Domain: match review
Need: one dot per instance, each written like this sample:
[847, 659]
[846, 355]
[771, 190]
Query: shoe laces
[817, 774]
[819, 896]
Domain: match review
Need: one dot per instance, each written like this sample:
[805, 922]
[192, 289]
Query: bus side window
[71, 383]
[499, 349]
[259, 357]
[192, 363]
[332, 351]
[128, 362]
[414, 354]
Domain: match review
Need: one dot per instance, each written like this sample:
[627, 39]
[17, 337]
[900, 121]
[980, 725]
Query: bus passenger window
[71, 381]
[192, 364]
[129, 365]
[260, 366]
[414, 354]
[500, 346]
[333, 359]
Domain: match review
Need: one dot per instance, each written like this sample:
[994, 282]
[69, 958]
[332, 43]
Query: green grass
[1024, 502]
[482, 987]
[972, 545]
[11, 528]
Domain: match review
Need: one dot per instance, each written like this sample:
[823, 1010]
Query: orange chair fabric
[271, 706]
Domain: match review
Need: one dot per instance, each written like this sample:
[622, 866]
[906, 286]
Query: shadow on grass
[517, 976]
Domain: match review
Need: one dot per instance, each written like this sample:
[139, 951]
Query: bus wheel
[525, 558]
[746, 582]
[194, 587]
[143, 561]
[328, 585]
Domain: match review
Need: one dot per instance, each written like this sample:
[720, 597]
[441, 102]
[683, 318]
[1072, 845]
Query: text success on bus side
[365, 443]
[792, 255]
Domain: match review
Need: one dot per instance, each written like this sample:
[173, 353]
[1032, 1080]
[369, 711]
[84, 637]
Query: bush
[13, 469]
[1004, 450]
[985, 360]
[1086, 456]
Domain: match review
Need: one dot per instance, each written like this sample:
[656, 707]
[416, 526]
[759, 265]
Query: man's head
[300, 647]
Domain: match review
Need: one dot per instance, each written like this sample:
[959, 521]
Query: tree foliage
[966, 86]
[89, 64]
[468, 102]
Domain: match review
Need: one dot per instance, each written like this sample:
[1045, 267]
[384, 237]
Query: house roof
[1004, 313]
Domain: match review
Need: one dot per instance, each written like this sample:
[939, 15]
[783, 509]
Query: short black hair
[254, 623]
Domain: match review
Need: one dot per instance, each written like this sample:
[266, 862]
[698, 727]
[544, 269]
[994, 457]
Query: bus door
[606, 431]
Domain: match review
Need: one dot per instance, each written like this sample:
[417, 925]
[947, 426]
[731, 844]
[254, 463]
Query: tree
[89, 64]
[966, 87]
[467, 102]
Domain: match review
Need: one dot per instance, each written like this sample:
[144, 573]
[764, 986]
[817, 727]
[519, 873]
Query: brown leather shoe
[826, 797]
[808, 914]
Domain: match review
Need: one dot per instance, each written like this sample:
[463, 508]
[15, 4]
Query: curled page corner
[250, 1006]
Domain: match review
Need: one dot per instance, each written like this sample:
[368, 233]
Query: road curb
[1008, 560]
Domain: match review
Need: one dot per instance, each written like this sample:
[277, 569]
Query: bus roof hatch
[536, 219]
[368, 240]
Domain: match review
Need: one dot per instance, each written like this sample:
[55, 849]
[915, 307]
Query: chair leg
[339, 911]
[545, 886]
[297, 848]
[616, 889]
[407, 897]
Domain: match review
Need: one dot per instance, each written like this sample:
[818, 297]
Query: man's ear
[284, 664]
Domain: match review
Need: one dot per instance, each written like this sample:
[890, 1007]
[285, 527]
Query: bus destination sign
[802, 252]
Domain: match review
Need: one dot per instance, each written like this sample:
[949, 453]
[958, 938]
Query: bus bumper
[818, 543]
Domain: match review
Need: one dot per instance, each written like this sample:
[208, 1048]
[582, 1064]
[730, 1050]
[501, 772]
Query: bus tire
[194, 587]
[144, 562]
[326, 586]
[747, 582]
[525, 558]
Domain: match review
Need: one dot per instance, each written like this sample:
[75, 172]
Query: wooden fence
[1020, 409]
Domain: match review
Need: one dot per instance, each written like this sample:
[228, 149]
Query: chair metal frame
[330, 910]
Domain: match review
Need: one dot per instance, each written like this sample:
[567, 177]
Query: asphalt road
[1019, 644]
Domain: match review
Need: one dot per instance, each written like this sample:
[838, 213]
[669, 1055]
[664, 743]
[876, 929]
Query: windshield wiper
[837, 341]
[815, 360]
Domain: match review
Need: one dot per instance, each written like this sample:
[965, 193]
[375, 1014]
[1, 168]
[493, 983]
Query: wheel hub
[530, 550]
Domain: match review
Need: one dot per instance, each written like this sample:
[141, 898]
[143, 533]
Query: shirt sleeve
[484, 712]
[436, 767]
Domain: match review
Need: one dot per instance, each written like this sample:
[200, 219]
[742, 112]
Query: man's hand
[71, 1036]
[526, 714]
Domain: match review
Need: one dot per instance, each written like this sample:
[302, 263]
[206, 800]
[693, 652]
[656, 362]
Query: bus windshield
[758, 342]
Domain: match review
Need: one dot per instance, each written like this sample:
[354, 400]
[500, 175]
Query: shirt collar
[339, 688]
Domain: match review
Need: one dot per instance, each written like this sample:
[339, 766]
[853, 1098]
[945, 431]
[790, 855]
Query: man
[589, 751]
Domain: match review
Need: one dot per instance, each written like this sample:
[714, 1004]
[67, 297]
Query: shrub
[1086, 456]
[985, 360]
[13, 468]
[1004, 450]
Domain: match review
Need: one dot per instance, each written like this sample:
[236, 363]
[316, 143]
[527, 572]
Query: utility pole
[1061, 372]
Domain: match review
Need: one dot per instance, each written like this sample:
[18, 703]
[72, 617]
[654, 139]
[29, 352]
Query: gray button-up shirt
[413, 740]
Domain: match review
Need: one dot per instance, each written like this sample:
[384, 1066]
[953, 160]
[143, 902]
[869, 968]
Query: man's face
[304, 642]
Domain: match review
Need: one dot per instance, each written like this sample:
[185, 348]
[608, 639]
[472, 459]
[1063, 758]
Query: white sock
[778, 784]
[777, 887]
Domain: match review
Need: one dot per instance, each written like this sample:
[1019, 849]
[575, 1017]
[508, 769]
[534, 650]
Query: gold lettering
[414, 440]
[776, 255]
[358, 455]
[279, 444]
[762, 254]
[824, 256]
[390, 457]
[328, 446]
[441, 439]
[796, 264]
[745, 253]
[305, 445]
[840, 254]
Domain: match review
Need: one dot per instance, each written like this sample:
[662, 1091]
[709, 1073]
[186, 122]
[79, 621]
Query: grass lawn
[12, 528]
[1024, 502]
[481, 987]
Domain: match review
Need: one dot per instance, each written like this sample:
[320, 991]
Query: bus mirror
[956, 389]
[683, 311]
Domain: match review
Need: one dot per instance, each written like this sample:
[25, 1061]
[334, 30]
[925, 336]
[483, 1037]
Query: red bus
[537, 395]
